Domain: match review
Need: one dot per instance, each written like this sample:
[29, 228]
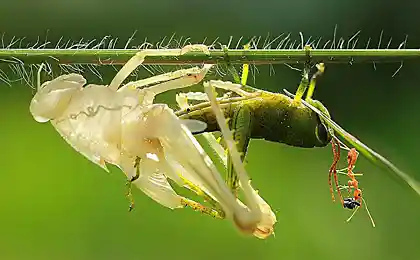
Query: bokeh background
[54, 204]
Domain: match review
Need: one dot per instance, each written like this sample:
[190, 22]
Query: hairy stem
[235, 56]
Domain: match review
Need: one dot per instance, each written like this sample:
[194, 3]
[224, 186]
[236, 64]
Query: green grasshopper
[261, 114]
[283, 118]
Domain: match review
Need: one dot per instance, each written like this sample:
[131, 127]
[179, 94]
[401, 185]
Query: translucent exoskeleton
[122, 126]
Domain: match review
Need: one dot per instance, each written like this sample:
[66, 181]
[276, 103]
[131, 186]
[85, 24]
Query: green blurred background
[57, 205]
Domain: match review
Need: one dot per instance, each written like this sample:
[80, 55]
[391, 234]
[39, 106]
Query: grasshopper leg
[232, 70]
[131, 180]
[320, 70]
[202, 194]
[305, 76]
[215, 210]
[202, 209]
[241, 124]
[140, 56]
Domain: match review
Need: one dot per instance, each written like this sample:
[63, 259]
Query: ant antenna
[367, 210]
[370, 216]
[354, 212]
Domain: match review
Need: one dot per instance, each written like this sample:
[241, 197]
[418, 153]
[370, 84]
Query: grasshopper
[283, 118]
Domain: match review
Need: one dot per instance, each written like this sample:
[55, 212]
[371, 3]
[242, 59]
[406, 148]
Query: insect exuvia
[152, 144]
[154, 148]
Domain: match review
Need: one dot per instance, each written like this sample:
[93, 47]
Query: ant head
[358, 194]
[53, 97]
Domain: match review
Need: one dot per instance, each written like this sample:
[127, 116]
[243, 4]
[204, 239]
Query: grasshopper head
[323, 132]
[53, 97]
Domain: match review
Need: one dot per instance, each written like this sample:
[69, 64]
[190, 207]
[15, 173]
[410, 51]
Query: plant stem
[281, 56]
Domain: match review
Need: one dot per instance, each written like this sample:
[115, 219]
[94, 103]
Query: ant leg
[337, 185]
[336, 150]
[330, 184]
[333, 165]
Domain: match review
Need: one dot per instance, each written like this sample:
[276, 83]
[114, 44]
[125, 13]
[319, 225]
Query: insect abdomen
[277, 118]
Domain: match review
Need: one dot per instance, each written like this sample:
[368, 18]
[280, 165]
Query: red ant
[356, 200]
[353, 183]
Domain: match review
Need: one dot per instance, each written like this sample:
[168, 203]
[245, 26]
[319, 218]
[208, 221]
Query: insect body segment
[353, 183]
[241, 124]
[355, 201]
[275, 118]
[351, 203]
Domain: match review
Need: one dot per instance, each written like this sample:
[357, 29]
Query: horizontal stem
[236, 56]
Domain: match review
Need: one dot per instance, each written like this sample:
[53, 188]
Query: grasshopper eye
[322, 133]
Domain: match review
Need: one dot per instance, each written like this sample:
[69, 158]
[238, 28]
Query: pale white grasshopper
[147, 141]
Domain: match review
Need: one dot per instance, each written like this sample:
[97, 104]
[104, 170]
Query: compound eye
[322, 133]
